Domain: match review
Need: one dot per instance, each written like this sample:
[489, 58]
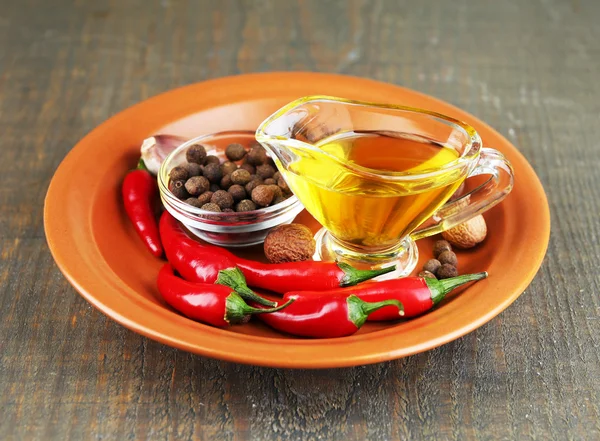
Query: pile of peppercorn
[204, 182]
[445, 264]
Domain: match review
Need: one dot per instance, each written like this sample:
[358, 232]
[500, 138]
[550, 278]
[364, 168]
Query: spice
[196, 153]
[257, 156]
[432, 265]
[193, 169]
[178, 189]
[255, 181]
[222, 198]
[211, 206]
[262, 195]
[467, 234]
[196, 185]
[212, 159]
[237, 192]
[265, 171]
[270, 181]
[289, 243]
[212, 172]
[226, 182]
[440, 246]
[240, 177]
[200, 262]
[228, 167]
[194, 202]
[448, 257]
[140, 192]
[447, 271]
[326, 316]
[216, 305]
[427, 274]
[179, 173]
[205, 197]
[417, 294]
[281, 182]
[248, 167]
[245, 205]
[235, 152]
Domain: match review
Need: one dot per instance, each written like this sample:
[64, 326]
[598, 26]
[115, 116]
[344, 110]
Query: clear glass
[223, 229]
[371, 215]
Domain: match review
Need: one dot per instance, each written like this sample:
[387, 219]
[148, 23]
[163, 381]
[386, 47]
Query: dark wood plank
[529, 69]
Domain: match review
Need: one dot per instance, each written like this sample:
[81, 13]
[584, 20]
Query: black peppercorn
[196, 153]
[197, 185]
[235, 152]
[222, 198]
[212, 172]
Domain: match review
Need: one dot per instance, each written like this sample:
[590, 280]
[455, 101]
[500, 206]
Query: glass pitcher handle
[477, 201]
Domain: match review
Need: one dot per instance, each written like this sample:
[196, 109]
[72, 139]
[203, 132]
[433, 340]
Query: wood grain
[530, 69]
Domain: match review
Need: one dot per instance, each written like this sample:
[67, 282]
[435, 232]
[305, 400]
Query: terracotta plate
[98, 251]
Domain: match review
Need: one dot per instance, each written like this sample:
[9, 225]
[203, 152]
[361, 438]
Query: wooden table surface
[530, 69]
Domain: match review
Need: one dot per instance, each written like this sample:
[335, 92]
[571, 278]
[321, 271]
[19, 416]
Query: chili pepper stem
[359, 310]
[237, 310]
[353, 276]
[439, 288]
[234, 278]
[141, 165]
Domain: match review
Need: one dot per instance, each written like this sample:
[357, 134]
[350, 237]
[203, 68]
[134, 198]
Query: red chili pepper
[199, 262]
[326, 316]
[417, 294]
[139, 191]
[216, 305]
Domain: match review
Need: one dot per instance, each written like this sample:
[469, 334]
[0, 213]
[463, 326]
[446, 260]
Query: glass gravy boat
[378, 176]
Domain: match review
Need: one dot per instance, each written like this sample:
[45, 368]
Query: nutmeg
[467, 234]
[289, 243]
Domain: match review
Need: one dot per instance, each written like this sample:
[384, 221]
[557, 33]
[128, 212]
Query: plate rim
[56, 243]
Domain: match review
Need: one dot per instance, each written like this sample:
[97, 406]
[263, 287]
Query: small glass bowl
[223, 229]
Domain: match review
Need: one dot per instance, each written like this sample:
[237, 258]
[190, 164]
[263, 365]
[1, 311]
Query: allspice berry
[226, 182]
[240, 177]
[245, 205]
[276, 190]
[257, 156]
[222, 198]
[278, 200]
[211, 207]
[196, 185]
[194, 169]
[212, 172]
[212, 159]
[289, 243]
[196, 153]
[228, 210]
[270, 181]
[281, 182]
[426, 274]
[262, 195]
[238, 192]
[205, 197]
[448, 257]
[194, 202]
[265, 171]
[446, 271]
[228, 167]
[235, 152]
[179, 173]
[432, 265]
[178, 189]
[440, 246]
[255, 181]
[251, 169]
[214, 187]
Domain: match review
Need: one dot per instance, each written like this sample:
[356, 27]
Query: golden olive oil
[350, 183]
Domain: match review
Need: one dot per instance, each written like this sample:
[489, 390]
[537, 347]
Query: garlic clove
[155, 149]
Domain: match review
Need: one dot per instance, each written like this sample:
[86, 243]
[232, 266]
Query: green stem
[234, 278]
[439, 288]
[359, 310]
[238, 311]
[353, 276]
[141, 165]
